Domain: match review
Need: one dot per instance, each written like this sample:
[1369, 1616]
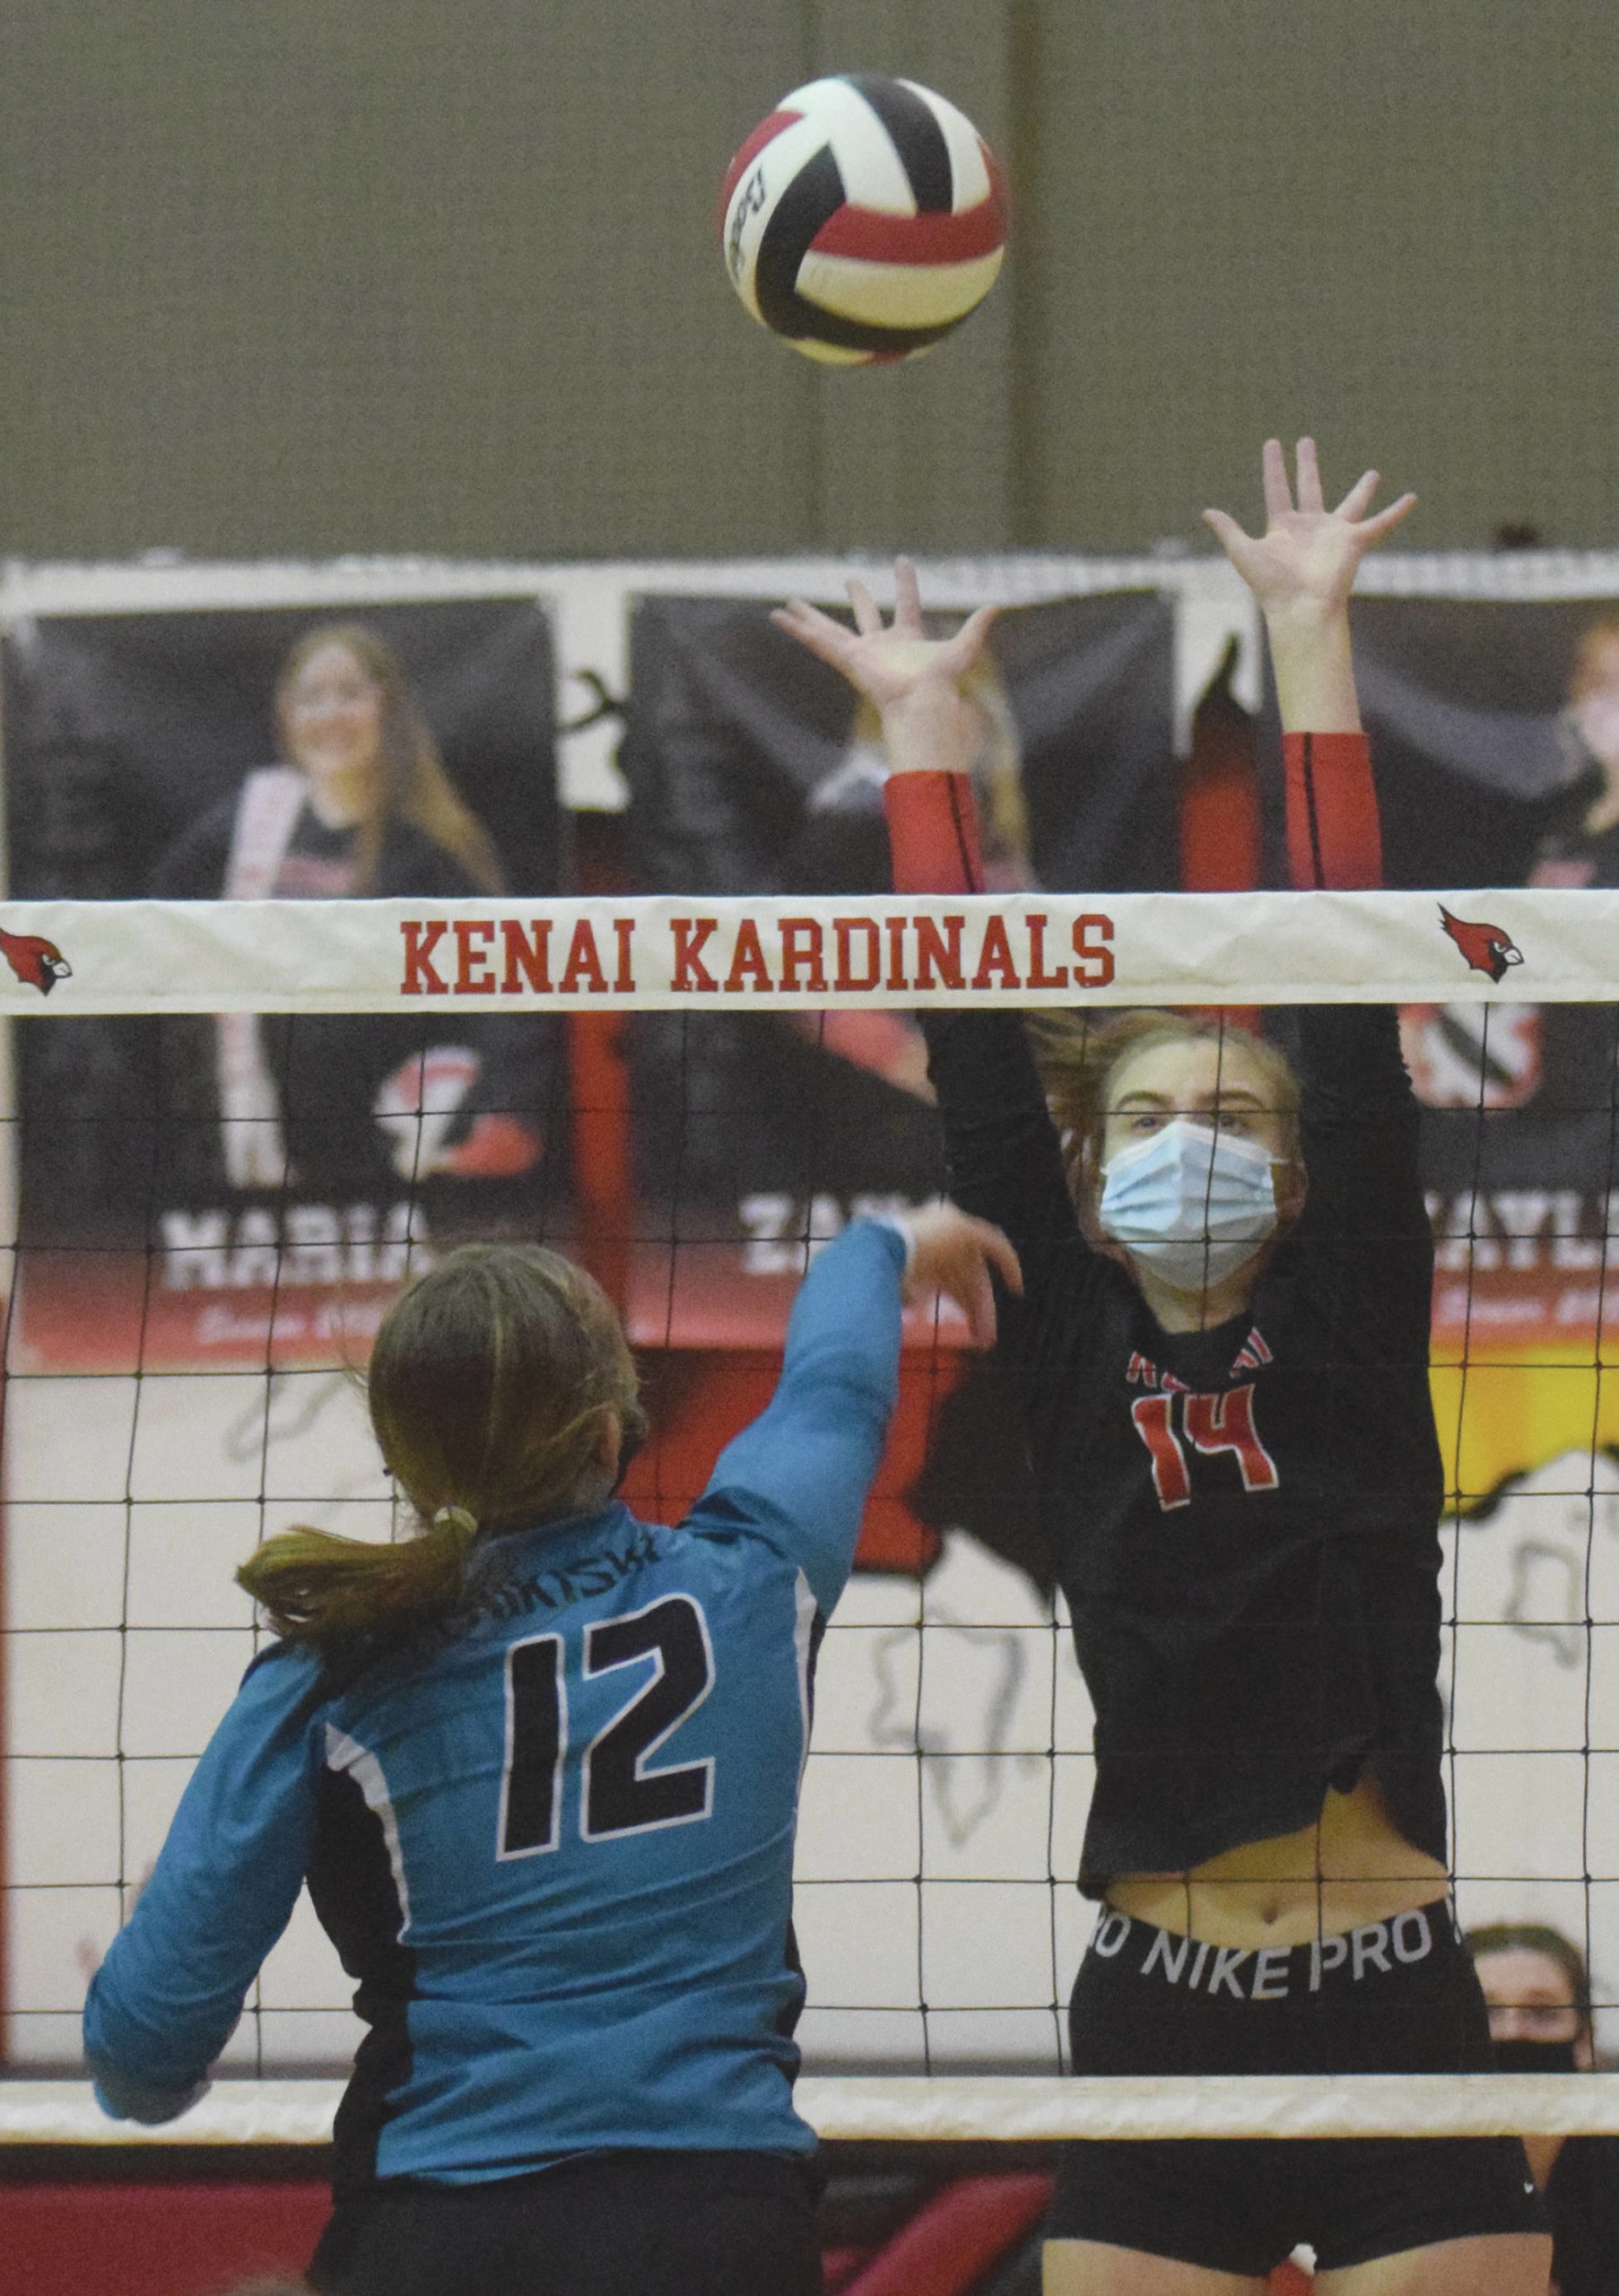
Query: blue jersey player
[539, 1768]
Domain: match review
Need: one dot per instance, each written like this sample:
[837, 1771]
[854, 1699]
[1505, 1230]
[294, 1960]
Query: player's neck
[1200, 1310]
[342, 797]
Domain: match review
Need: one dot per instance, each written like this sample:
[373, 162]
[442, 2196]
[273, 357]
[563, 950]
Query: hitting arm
[799, 1476]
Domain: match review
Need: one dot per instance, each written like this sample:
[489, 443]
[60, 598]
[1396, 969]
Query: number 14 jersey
[1244, 1519]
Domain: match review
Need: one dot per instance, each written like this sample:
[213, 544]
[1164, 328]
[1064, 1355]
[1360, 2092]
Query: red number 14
[1211, 1424]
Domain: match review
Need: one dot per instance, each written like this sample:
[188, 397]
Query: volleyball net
[237, 1127]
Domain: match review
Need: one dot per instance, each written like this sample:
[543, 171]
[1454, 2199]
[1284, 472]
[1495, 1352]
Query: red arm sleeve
[1333, 837]
[933, 831]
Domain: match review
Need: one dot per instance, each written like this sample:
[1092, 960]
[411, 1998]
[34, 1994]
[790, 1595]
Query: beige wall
[313, 275]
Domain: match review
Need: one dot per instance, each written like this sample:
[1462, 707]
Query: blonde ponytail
[495, 1388]
[315, 1587]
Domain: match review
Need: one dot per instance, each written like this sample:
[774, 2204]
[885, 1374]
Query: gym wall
[309, 276]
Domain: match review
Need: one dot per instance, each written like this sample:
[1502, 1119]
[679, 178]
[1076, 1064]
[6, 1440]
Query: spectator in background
[361, 808]
[1580, 844]
[1540, 1996]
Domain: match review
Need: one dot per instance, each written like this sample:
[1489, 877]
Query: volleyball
[863, 220]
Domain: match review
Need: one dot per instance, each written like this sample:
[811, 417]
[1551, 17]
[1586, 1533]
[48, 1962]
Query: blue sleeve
[799, 1476]
[166, 1999]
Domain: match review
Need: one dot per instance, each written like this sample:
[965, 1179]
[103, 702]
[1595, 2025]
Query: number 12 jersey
[553, 1843]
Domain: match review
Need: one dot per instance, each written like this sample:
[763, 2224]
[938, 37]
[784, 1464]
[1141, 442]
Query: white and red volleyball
[863, 218]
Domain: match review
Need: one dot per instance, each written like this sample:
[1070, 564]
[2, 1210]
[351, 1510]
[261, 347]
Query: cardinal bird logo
[34, 960]
[1486, 947]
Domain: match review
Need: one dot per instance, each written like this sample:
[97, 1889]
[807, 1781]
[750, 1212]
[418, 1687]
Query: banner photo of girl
[259, 754]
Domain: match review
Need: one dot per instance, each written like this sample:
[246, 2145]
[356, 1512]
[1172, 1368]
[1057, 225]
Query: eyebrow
[1229, 1093]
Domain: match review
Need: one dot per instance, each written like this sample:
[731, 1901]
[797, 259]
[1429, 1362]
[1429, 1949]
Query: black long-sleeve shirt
[1244, 1518]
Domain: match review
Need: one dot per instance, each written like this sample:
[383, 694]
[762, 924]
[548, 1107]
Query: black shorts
[1395, 1997]
[612, 2224]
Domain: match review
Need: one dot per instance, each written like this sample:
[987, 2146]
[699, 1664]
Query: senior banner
[1494, 726]
[270, 771]
[754, 772]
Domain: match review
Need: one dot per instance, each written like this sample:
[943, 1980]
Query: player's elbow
[143, 2070]
[122, 2098]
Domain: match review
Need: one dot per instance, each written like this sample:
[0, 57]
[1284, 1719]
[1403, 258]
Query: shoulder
[741, 1561]
[1582, 2200]
[738, 1546]
[193, 867]
[287, 1680]
[1595, 2157]
[412, 862]
[1563, 829]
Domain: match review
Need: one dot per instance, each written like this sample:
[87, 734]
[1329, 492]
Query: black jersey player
[1223, 1356]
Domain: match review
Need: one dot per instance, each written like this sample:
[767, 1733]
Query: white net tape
[948, 2109]
[704, 955]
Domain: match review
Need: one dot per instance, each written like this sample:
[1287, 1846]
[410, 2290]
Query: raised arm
[931, 731]
[929, 726]
[1302, 569]
[1002, 1153]
[799, 1474]
[1365, 1210]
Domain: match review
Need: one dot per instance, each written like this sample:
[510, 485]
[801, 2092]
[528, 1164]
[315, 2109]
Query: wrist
[898, 1224]
[930, 731]
[1313, 667]
[1304, 611]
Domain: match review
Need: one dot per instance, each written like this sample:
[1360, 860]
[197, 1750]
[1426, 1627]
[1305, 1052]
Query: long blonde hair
[413, 785]
[1077, 1057]
[491, 1388]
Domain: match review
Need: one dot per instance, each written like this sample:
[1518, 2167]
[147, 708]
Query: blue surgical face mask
[1192, 1203]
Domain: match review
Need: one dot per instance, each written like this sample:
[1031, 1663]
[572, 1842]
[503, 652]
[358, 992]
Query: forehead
[1192, 1068]
[330, 663]
[1524, 1975]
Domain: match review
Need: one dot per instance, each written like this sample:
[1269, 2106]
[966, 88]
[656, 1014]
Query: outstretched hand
[953, 1253]
[1306, 559]
[913, 680]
